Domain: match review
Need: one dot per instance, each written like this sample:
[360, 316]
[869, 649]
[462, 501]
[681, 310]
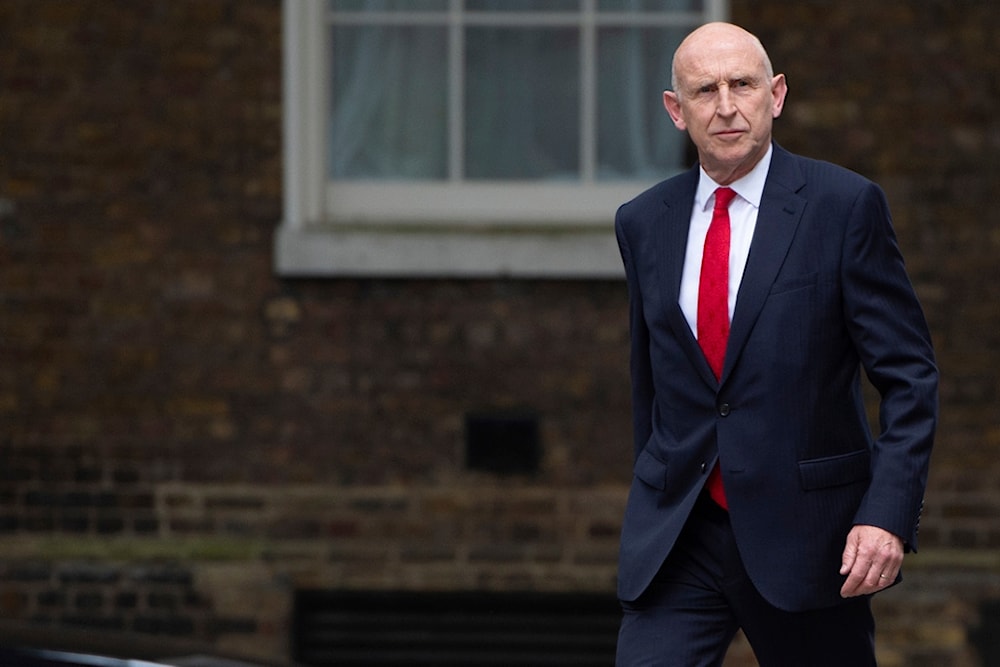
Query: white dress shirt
[742, 219]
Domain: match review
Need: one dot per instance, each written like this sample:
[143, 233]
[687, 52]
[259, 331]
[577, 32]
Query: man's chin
[726, 166]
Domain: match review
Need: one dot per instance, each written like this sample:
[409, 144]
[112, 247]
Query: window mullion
[716, 10]
[456, 91]
[588, 92]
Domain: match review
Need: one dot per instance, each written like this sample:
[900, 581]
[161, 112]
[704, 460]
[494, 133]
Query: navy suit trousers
[701, 596]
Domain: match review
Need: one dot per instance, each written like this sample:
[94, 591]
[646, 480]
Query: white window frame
[450, 228]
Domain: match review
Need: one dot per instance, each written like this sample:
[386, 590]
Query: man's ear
[779, 89]
[673, 107]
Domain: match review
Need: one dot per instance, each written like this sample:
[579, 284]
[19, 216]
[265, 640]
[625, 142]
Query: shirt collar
[750, 187]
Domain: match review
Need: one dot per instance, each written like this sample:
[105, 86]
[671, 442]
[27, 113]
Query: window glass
[636, 138]
[480, 90]
[650, 5]
[522, 5]
[388, 102]
[388, 5]
[522, 104]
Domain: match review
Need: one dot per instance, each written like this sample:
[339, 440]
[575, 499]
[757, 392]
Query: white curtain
[521, 97]
[522, 102]
[636, 139]
[389, 102]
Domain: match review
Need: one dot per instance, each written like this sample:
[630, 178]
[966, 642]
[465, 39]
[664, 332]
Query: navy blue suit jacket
[823, 296]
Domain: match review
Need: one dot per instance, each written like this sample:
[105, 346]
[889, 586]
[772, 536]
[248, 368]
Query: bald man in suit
[761, 500]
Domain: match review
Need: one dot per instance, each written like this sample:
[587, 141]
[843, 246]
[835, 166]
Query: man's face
[725, 100]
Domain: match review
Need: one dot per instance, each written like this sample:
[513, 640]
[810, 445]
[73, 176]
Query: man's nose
[726, 105]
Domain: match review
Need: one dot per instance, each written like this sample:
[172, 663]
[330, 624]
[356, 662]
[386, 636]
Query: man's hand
[871, 560]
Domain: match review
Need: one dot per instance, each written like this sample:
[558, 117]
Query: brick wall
[186, 439]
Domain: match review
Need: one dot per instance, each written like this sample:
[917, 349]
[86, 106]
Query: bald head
[716, 35]
[725, 96]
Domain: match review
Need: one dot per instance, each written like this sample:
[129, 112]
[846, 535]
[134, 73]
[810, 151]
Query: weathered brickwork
[150, 599]
[186, 439]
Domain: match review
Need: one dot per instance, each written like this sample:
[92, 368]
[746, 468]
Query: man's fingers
[849, 558]
[868, 578]
[851, 551]
[855, 583]
[871, 561]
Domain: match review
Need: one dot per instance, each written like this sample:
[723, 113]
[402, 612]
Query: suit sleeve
[639, 363]
[894, 344]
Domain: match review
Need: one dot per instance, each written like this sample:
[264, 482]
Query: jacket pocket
[835, 470]
[651, 470]
[783, 285]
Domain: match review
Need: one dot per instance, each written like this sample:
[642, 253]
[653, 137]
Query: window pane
[650, 5]
[522, 5]
[388, 5]
[636, 138]
[389, 102]
[522, 103]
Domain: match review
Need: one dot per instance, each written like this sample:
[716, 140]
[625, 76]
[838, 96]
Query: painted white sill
[521, 230]
[410, 251]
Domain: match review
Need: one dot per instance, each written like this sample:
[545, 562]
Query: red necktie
[713, 305]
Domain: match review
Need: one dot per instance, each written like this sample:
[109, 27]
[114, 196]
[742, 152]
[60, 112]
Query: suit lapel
[672, 237]
[781, 209]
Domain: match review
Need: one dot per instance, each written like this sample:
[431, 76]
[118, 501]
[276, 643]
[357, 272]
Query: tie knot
[723, 196]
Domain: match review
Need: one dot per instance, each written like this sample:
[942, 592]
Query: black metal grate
[986, 638]
[504, 443]
[470, 629]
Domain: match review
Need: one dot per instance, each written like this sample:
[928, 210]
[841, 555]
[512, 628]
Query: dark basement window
[454, 629]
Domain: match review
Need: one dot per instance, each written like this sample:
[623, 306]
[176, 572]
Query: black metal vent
[986, 638]
[366, 629]
[505, 443]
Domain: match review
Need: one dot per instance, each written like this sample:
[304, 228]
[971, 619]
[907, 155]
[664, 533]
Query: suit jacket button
[703, 467]
[724, 409]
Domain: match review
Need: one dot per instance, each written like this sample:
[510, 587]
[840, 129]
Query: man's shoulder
[666, 192]
[815, 171]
